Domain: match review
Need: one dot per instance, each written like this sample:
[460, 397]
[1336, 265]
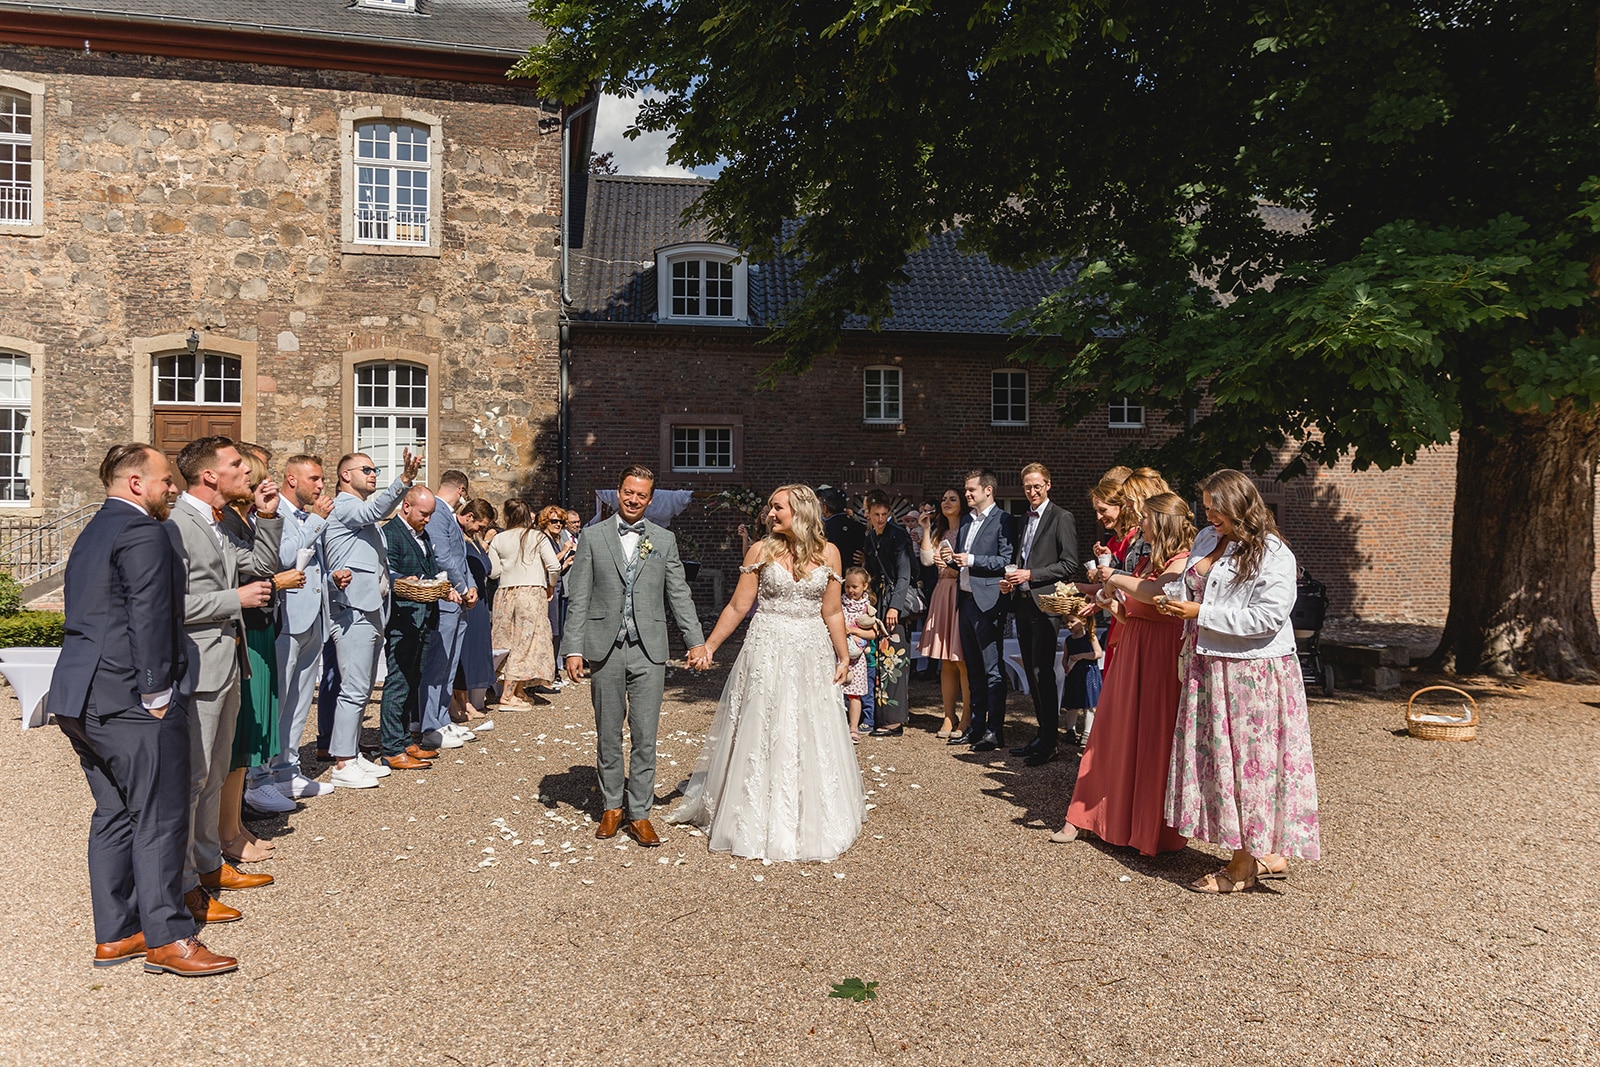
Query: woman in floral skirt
[1241, 774]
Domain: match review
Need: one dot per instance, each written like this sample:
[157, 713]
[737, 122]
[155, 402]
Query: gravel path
[1455, 920]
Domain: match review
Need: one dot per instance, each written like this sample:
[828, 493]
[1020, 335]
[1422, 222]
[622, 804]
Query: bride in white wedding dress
[777, 778]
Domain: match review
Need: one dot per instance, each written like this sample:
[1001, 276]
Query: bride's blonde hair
[806, 543]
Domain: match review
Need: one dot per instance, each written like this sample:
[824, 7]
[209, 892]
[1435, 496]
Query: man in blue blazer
[444, 641]
[358, 612]
[986, 543]
[117, 695]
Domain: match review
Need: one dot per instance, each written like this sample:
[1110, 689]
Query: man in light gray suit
[444, 643]
[213, 563]
[358, 612]
[626, 574]
[304, 626]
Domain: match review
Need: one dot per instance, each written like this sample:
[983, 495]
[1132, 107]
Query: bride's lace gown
[778, 777]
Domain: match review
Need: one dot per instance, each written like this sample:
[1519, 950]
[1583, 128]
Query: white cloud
[645, 156]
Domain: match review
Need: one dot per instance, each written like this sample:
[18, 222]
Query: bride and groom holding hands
[777, 777]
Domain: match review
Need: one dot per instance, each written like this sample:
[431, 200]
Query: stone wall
[189, 194]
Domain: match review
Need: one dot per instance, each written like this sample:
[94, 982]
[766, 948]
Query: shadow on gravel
[576, 786]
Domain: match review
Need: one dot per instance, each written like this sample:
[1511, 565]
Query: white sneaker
[301, 788]
[558, 685]
[460, 731]
[265, 798]
[446, 738]
[351, 776]
[376, 770]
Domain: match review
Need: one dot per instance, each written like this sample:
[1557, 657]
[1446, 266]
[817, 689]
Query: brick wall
[188, 194]
[1380, 540]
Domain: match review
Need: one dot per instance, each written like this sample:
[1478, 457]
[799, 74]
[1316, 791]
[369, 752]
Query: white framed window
[705, 283]
[1009, 398]
[881, 394]
[391, 414]
[1126, 414]
[16, 430]
[388, 5]
[392, 178]
[21, 156]
[391, 174]
[205, 378]
[699, 449]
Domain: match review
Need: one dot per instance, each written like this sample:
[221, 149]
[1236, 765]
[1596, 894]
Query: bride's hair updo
[805, 542]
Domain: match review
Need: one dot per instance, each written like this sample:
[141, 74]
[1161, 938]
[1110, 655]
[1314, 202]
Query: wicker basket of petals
[1437, 722]
[1063, 600]
[422, 590]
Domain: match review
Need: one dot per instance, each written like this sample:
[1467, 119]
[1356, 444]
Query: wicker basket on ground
[1442, 724]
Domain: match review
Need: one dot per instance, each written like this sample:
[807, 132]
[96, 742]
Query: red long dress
[1121, 790]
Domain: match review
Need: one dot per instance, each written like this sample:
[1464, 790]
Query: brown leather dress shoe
[230, 877]
[405, 762]
[610, 821]
[641, 831]
[208, 909]
[418, 752]
[111, 953]
[187, 959]
[324, 755]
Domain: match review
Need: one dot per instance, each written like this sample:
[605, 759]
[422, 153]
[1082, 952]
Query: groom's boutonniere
[645, 548]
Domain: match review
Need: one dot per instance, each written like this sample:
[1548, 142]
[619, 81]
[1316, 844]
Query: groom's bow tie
[623, 527]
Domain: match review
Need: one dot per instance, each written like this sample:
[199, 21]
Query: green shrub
[10, 594]
[33, 629]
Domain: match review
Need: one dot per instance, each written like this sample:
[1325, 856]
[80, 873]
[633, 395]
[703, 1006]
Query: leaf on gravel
[855, 989]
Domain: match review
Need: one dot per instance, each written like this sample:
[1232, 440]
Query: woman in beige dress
[529, 570]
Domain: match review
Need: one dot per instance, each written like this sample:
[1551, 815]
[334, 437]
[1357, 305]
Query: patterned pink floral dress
[1241, 773]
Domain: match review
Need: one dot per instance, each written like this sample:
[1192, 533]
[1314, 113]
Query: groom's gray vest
[611, 597]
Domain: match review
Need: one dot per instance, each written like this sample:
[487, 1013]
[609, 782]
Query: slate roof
[494, 27]
[626, 219]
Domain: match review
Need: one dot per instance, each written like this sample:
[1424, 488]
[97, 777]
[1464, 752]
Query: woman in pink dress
[1120, 794]
[1241, 774]
[941, 630]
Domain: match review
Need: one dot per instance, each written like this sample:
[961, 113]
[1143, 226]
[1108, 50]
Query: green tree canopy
[1352, 230]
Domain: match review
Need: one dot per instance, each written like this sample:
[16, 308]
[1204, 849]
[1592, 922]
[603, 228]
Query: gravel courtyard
[466, 915]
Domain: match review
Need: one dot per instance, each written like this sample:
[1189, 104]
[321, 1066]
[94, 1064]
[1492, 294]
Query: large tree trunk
[1522, 551]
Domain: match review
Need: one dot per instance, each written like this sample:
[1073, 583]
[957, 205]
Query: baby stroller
[1310, 609]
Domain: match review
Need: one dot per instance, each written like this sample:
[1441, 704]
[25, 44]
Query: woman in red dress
[1121, 789]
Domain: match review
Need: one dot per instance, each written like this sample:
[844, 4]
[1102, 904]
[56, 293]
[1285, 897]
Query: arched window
[391, 413]
[701, 283]
[202, 378]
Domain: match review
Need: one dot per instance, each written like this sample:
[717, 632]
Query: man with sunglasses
[358, 612]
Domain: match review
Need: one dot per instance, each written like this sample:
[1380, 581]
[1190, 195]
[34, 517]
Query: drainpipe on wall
[563, 412]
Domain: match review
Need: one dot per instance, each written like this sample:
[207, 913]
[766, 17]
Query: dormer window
[389, 5]
[701, 283]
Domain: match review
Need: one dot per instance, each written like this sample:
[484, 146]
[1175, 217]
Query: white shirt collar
[1044, 506]
[201, 506]
[130, 503]
[984, 514]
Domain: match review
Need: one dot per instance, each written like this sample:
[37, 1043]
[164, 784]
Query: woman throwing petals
[777, 778]
[1241, 773]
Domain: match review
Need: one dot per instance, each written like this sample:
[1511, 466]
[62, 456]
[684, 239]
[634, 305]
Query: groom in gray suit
[625, 575]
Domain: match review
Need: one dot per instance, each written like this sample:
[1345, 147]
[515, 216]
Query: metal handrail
[33, 549]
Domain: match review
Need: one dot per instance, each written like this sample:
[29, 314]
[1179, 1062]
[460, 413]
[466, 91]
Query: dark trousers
[138, 771]
[1036, 633]
[981, 636]
[327, 694]
[405, 643]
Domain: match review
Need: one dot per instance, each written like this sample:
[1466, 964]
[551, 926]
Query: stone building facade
[337, 233]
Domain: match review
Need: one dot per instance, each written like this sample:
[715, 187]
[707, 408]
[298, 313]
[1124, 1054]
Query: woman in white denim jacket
[1241, 775]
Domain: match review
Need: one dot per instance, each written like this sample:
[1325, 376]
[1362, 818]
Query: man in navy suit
[986, 545]
[444, 641]
[117, 694]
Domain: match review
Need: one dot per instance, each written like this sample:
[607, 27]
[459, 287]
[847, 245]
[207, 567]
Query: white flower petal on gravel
[805, 874]
[759, 877]
[766, 863]
[663, 861]
[588, 881]
[839, 875]
[319, 839]
[1124, 878]
[400, 857]
[891, 769]
[556, 865]
[538, 840]
[490, 862]
[695, 833]
[489, 851]
[871, 806]
[412, 819]
[914, 785]
[628, 863]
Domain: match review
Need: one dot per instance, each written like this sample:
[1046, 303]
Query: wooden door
[176, 427]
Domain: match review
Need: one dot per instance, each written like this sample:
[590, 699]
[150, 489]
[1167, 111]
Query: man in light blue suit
[444, 644]
[357, 613]
[304, 626]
